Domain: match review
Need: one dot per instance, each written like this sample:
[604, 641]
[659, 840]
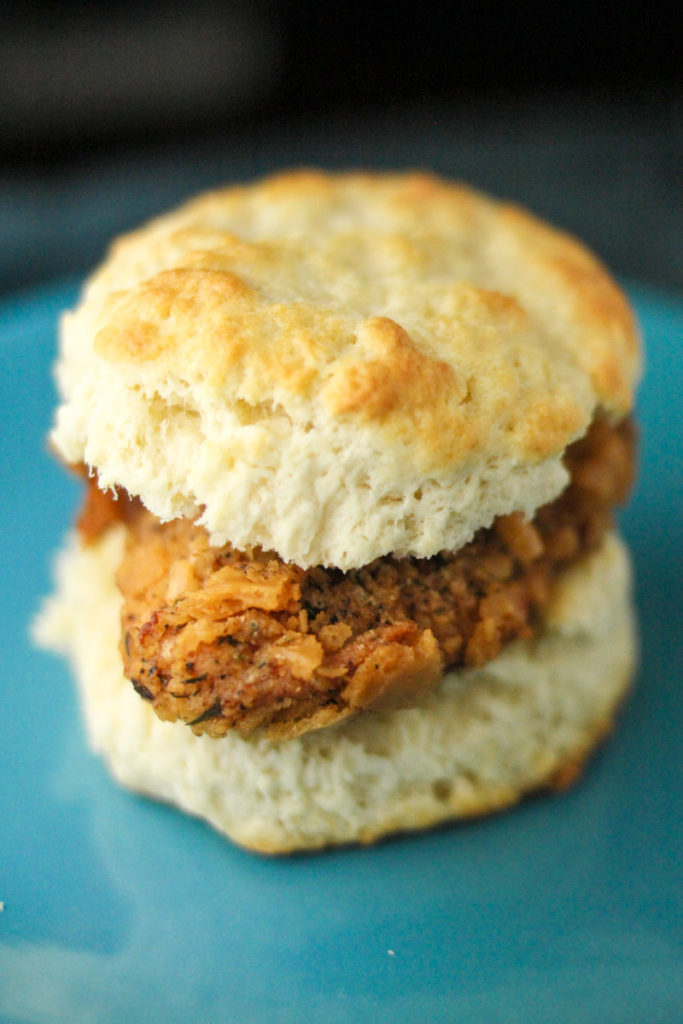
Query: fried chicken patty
[224, 639]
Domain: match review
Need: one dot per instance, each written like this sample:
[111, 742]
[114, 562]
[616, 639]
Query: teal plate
[116, 908]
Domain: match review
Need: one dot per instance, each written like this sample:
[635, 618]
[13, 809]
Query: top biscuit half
[338, 367]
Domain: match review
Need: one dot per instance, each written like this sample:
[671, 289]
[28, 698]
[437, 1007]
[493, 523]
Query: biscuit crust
[392, 359]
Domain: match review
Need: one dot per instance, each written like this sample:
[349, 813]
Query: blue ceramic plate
[119, 909]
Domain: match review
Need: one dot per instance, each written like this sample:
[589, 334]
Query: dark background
[110, 112]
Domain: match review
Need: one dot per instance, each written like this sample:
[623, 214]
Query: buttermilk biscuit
[340, 367]
[346, 563]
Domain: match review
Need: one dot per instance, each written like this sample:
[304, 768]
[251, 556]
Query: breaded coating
[226, 639]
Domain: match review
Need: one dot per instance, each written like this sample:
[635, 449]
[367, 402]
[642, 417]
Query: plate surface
[116, 908]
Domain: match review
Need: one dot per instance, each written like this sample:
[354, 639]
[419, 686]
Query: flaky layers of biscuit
[336, 367]
[526, 720]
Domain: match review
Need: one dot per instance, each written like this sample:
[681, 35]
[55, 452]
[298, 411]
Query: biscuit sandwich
[347, 562]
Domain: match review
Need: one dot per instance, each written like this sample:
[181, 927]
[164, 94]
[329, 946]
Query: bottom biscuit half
[524, 721]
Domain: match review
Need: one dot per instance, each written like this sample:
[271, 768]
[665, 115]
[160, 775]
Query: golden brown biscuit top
[398, 314]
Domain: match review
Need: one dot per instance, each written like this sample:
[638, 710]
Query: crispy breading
[226, 639]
